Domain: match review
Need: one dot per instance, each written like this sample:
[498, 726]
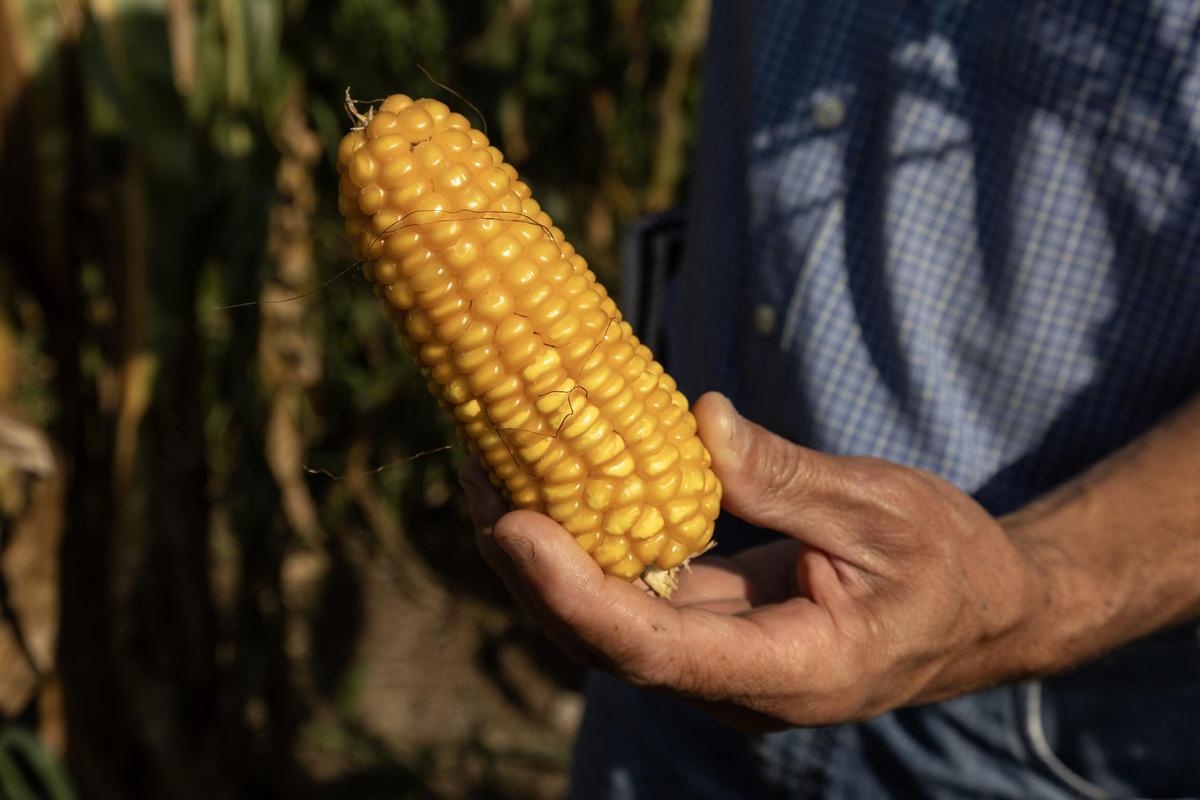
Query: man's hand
[890, 587]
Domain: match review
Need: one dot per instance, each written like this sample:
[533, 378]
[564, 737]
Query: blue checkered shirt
[958, 235]
[962, 236]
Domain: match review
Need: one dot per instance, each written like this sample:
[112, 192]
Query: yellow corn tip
[523, 347]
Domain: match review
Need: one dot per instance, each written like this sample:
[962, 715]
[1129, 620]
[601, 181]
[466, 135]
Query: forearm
[1119, 546]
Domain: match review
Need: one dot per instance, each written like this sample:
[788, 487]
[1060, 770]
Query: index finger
[692, 651]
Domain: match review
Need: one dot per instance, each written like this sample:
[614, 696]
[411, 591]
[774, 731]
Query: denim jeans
[1127, 725]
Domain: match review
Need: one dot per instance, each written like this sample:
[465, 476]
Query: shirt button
[764, 319]
[828, 112]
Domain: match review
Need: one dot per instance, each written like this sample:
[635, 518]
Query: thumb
[767, 480]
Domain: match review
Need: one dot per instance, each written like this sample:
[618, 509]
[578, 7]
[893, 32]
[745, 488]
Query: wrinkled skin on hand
[888, 587]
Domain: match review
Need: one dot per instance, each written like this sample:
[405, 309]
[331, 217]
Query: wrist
[1026, 591]
[1063, 608]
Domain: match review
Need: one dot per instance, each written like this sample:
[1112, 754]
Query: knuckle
[782, 468]
[874, 476]
[691, 677]
[668, 666]
[881, 488]
[647, 667]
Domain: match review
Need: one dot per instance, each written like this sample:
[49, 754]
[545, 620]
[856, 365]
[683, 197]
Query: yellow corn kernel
[673, 554]
[563, 510]
[648, 550]
[589, 540]
[563, 492]
[585, 522]
[620, 467]
[680, 509]
[564, 406]
[619, 520]
[648, 524]
[611, 550]
[628, 567]
[598, 494]
[665, 488]
[691, 531]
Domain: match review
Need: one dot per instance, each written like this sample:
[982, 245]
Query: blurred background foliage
[187, 610]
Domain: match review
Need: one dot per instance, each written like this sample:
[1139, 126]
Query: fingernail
[519, 549]
[739, 437]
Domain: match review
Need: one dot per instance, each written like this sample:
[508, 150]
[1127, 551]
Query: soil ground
[449, 692]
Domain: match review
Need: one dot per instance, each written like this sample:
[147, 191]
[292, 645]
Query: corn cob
[568, 411]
